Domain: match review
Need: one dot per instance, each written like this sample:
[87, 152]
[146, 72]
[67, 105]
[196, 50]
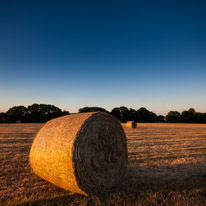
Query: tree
[92, 109]
[199, 118]
[143, 115]
[37, 113]
[122, 113]
[188, 116]
[65, 113]
[16, 113]
[43, 112]
[125, 114]
[192, 110]
[204, 117]
[3, 117]
[173, 116]
[153, 117]
[161, 118]
[116, 112]
[132, 113]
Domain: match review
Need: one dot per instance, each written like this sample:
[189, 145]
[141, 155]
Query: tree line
[35, 113]
[40, 113]
[187, 116]
[143, 115]
[124, 114]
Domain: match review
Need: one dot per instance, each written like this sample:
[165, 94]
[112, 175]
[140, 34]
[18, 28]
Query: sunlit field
[166, 166]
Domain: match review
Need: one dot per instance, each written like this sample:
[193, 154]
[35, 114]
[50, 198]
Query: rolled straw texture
[85, 153]
[131, 124]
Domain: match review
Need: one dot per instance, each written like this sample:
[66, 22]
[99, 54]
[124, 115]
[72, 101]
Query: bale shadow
[155, 184]
[158, 177]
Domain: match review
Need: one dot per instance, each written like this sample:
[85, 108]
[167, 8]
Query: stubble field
[166, 166]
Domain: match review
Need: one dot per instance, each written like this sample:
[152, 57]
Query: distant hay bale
[131, 124]
[85, 153]
[18, 122]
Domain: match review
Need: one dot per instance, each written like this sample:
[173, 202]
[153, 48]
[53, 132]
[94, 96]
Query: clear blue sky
[103, 53]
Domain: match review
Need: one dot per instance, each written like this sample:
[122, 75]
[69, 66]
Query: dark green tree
[116, 112]
[92, 109]
[125, 113]
[161, 118]
[192, 110]
[204, 117]
[153, 117]
[122, 113]
[188, 116]
[3, 117]
[173, 116]
[65, 113]
[143, 115]
[132, 114]
[199, 117]
[36, 113]
[43, 112]
[17, 113]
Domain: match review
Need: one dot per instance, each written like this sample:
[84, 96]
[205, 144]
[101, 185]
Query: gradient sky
[103, 53]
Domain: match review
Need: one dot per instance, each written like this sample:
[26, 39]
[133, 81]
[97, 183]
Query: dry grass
[166, 166]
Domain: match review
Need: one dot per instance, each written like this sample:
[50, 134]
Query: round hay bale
[85, 153]
[131, 124]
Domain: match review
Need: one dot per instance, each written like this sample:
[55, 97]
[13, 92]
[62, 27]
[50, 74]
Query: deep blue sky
[103, 53]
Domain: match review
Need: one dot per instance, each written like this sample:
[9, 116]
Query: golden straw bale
[85, 153]
[131, 124]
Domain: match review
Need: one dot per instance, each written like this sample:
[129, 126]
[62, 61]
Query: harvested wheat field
[166, 166]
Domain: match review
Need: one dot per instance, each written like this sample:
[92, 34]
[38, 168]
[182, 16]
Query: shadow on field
[144, 183]
[149, 177]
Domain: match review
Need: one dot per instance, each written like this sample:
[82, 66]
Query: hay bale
[85, 153]
[131, 124]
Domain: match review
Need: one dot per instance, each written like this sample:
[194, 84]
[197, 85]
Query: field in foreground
[167, 166]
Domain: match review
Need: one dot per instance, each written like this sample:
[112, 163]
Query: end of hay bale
[131, 124]
[85, 153]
